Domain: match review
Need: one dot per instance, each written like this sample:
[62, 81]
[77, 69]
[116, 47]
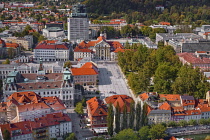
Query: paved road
[111, 79]
[80, 133]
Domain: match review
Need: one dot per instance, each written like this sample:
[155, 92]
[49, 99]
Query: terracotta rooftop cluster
[26, 127]
[30, 101]
[85, 46]
[176, 103]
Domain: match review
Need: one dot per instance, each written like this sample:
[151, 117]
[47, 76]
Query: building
[53, 125]
[53, 32]
[198, 59]
[174, 107]
[43, 84]
[22, 66]
[165, 37]
[96, 49]
[52, 50]
[25, 42]
[25, 106]
[204, 31]
[121, 100]
[78, 24]
[97, 113]
[86, 75]
[9, 49]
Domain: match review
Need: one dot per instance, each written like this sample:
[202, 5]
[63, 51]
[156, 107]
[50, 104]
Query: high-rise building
[78, 24]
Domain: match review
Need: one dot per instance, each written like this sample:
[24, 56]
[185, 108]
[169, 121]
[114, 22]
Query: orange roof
[122, 100]
[170, 97]
[97, 107]
[12, 45]
[87, 69]
[83, 71]
[143, 96]
[119, 50]
[165, 106]
[32, 107]
[164, 23]
[89, 65]
[192, 112]
[86, 45]
[206, 33]
[25, 97]
[201, 51]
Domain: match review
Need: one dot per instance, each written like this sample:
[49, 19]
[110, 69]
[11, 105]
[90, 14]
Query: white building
[50, 50]
[53, 32]
[43, 84]
[5, 69]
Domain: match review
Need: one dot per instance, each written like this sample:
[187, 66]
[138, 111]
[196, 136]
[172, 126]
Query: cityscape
[96, 70]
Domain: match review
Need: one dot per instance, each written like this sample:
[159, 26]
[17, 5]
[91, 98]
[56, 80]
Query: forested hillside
[176, 11]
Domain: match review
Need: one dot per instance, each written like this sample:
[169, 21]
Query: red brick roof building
[198, 59]
[174, 107]
[22, 106]
[50, 126]
[86, 75]
[52, 50]
[97, 112]
[98, 49]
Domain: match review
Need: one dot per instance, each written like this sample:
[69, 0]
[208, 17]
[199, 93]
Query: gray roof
[187, 97]
[158, 111]
[193, 47]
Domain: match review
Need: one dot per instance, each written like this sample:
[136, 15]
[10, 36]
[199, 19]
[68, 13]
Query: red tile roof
[97, 107]
[165, 106]
[26, 127]
[87, 69]
[143, 96]
[164, 23]
[86, 45]
[191, 58]
[170, 97]
[50, 44]
[12, 45]
[122, 100]
[25, 97]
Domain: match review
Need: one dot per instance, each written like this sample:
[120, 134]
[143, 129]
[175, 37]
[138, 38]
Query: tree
[126, 134]
[71, 137]
[79, 108]
[41, 38]
[117, 118]
[110, 119]
[6, 135]
[138, 116]
[183, 123]
[172, 124]
[11, 53]
[192, 122]
[157, 131]
[67, 64]
[202, 122]
[144, 119]
[144, 133]
[124, 118]
[6, 61]
[132, 115]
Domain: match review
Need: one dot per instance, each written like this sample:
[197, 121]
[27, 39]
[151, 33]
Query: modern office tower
[78, 24]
